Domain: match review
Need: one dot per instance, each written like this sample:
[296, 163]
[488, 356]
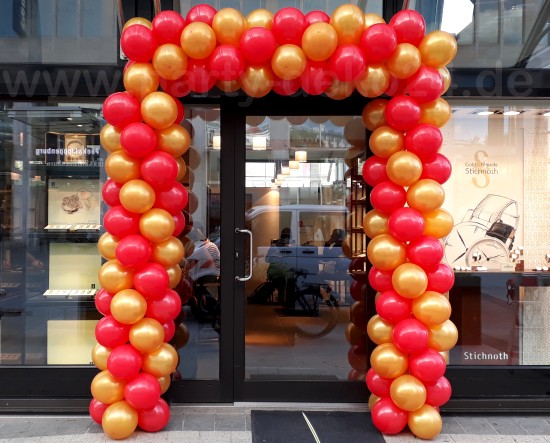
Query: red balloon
[428, 366]
[358, 290]
[438, 169]
[426, 85]
[438, 393]
[316, 78]
[138, 139]
[188, 223]
[110, 333]
[165, 308]
[406, 224]
[198, 75]
[441, 279]
[143, 391]
[348, 63]
[409, 26]
[102, 301]
[126, 66]
[380, 280]
[317, 16]
[124, 362]
[120, 109]
[286, 87]
[226, 63]
[387, 417]
[387, 197]
[258, 45]
[138, 43]
[357, 358]
[176, 88]
[396, 87]
[402, 113]
[288, 26]
[159, 169]
[392, 307]
[96, 410]
[377, 385]
[181, 112]
[120, 222]
[378, 42]
[425, 252]
[424, 140]
[167, 27]
[155, 418]
[133, 251]
[110, 192]
[172, 199]
[410, 335]
[152, 281]
[179, 221]
[169, 330]
[201, 13]
[374, 170]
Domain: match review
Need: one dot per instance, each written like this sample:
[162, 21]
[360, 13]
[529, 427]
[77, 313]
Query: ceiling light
[546, 114]
[293, 164]
[216, 142]
[511, 113]
[300, 156]
[278, 182]
[485, 112]
[80, 126]
[259, 143]
[285, 170]
[280, 177]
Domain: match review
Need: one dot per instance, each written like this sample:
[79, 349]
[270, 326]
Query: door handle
[249, 276]
[308, 251]
[285, 251]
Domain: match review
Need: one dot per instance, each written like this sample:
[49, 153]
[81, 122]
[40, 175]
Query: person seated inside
[336, 238]
[284, 240]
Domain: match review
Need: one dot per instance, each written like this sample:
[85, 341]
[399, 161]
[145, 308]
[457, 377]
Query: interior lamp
[300, 156]
[259, 143]
[216, 142]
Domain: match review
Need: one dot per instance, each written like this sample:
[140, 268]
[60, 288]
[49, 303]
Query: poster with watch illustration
[73, 201]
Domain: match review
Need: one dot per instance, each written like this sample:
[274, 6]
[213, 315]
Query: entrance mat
[323, 427]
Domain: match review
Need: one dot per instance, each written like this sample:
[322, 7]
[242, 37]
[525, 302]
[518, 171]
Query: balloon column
[282, 52]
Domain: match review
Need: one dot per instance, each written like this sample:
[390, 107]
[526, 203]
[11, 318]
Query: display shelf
[67, 236]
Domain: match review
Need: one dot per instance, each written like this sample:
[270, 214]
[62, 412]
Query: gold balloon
[198, 40]
[119, 420]
[443, 337]
[386, 141]
[438, 48]
[182, 168]
[408, 393]
[170, 61]
[257, 81]
[146, 335]
[386, 253]
[425, 195]
[431, 308]
[409, 280]
[445, 355]
[106, 388]
[404, 168]
[388, 361]
[372, 19]
[137, 196]
[137, 21]
[162, 361]
[228, 85]
[174, 275]
[374, 81]
[100, 354]
[164, 383]
[436, 113]
[106, 245]
[109, 137]
[260, 18]
[446, 76]
[159, 110]
[319, 41]
[373, 114]
[379, 330]
[339, 90]
[168, 252]
[288, 62]
[438, 223]
[425, 422]
[373, 399]
[404, 61]
[375, 223]
[349, 22]
[156, 225]
[122, 167]
[229, 25]
[141, 79]
[174, 140]
[113, 277]
[128, 306]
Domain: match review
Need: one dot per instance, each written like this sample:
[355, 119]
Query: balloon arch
[321, 54]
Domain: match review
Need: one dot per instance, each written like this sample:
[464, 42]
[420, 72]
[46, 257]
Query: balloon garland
[282, 52]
